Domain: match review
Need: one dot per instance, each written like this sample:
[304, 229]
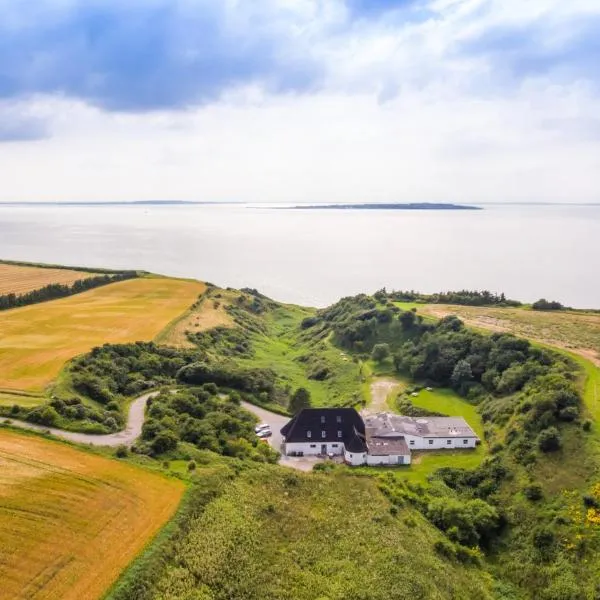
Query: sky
[300, 100]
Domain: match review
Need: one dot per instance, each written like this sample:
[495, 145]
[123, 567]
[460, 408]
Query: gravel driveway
[305, 463]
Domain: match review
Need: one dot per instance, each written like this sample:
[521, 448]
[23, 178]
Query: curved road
[133, 430]
[135, 420]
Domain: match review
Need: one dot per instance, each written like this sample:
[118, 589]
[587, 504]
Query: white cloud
[400, 115]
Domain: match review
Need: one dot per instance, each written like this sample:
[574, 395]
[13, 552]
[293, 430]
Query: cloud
[144, 55]
[150, 54]
[22, 123]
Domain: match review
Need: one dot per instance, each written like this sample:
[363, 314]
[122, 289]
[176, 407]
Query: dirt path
[133, 430]
[380, 391]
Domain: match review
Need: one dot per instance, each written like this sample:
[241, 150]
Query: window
[309, 433]
[465, 441]
[334, 445]
[339, 433]
[431, 442]
[338, 419]
[322, 418]
[412, 442]
[448, 442]
[313, 445]
[323, 434]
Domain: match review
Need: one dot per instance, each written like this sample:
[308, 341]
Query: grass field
[577, 331]
[70, 522]
[209, 312]
[16, 279]
[274, 534]
[38, 340]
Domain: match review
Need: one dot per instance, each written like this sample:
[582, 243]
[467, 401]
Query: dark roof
[328, 420]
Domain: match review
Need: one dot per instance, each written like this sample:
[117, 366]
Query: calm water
[315, 257]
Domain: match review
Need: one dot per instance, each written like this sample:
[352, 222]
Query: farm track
[126, 437]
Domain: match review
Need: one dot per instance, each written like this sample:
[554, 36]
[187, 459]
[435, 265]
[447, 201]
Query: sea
[315, 256]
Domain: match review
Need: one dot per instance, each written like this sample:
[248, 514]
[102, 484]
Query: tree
[461, 373]
[407, 319]
[380, 352]
[299, 400]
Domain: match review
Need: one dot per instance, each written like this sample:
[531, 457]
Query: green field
[449, 403]
[272, 533]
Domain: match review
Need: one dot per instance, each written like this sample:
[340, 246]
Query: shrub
[533, 492]
[191, 466]
[121, 451]
[587, 425]
[380, 352]
[549, 440]
[570, 413]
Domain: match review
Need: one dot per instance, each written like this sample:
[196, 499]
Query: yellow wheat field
[37, 340]
[15, 279]
[70, 522]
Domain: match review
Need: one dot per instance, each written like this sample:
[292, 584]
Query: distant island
[388, 206]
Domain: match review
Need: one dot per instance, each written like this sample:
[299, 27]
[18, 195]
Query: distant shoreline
[386, 206]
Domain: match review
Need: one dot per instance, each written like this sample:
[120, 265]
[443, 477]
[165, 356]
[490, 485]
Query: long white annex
[381, 439]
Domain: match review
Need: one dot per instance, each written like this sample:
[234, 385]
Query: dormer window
[322, 418]
[323, 434]
[309, 434]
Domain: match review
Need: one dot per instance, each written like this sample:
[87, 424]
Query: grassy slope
[62, 509]
[273, 534]
[39, 339]
[282, 348]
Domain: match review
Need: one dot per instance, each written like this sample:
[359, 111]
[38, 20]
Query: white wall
[355, 458]
[392, 459]
[313, 448]
[420, 443]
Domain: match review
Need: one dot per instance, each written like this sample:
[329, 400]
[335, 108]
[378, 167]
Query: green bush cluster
[205, 419]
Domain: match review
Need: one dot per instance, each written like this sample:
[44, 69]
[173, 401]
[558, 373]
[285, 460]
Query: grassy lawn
[449, 403]
[62, 509]
[426, 464]
[38, 340]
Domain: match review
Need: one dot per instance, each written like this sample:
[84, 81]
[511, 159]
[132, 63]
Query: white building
[381, 439]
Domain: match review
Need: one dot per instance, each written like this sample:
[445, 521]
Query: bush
[587, 425]
[380, 352]
[549, 440]
[121, 451]
[533, 492]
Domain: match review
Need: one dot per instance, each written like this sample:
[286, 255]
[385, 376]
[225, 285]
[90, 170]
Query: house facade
[324, 431]
[381, 439]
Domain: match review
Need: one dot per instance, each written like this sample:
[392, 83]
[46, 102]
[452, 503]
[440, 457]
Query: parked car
[265, 433]
[261, 427]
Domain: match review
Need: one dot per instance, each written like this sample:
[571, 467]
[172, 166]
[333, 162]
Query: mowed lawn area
[37, 340]
[17, 279]
[70, 522]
